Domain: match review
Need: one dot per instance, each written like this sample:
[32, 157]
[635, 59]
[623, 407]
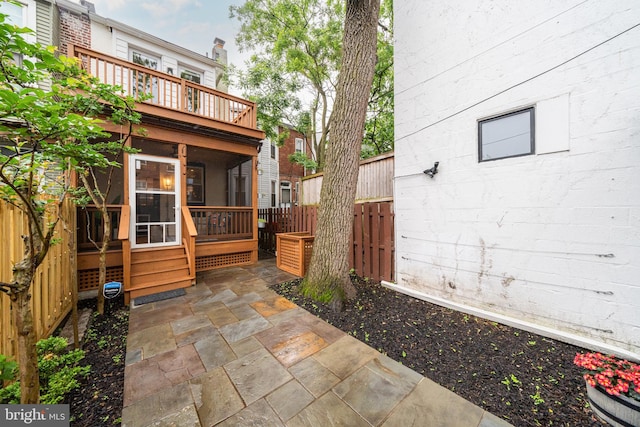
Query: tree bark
[328, 276]
[22, 317]
[102, 264]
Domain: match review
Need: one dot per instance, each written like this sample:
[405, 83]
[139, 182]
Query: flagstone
[256, 375]
[215, 397]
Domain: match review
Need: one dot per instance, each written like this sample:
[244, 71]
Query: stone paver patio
[231, 352]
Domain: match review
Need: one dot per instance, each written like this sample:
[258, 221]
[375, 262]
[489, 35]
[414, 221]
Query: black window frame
[532, 133]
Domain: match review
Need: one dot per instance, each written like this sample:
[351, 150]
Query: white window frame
[285, 186]
[28, 19]
[192, 71]
[147, 54]
[485, 126]
[299, 142]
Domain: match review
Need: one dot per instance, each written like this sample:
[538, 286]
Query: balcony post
[183, 98]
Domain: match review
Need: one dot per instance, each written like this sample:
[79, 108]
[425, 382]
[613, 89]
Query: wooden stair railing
[123, 235]
[189, 239]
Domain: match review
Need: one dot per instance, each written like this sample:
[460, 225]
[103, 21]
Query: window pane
[144, 60]
[14, 13]
[286, 196]
[192, 76]
[507, 136]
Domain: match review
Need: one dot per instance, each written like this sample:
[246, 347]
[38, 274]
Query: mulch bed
[524, 378]
[99, 401]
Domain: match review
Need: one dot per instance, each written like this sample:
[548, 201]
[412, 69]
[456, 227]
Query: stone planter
[619, 411]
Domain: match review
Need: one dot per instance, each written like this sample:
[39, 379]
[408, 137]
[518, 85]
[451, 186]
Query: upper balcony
[171, 97]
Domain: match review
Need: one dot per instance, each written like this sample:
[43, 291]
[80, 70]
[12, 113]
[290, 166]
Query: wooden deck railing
[90, 227]
[164, 90]
[222, 223]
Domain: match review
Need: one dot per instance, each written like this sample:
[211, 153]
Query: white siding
[102, 39]
[553, 238]
[44, 27]
[118, 43]
[268, 171]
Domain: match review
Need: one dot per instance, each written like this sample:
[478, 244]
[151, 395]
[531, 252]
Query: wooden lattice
[216, 261]
[88, 279]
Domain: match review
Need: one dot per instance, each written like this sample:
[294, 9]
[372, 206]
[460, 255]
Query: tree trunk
[102, 265]
[328, 276]
[23, 320]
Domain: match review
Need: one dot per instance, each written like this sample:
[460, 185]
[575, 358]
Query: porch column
[182, 156]
[254, 195]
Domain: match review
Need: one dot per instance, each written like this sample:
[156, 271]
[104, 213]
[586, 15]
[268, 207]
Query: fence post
[357, 240]
[374, 212]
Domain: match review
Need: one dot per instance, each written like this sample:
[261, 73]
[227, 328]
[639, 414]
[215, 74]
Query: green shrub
[7, 369]
[59, 372]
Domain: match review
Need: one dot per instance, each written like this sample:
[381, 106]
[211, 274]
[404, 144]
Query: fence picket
[51, 287]
[372, 252]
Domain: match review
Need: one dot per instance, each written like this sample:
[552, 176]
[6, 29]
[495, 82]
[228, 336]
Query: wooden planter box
[293, 252]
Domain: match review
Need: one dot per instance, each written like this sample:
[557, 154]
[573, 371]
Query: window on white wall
[15, 13]
[273, 150]
[192, 76]
[507, 135]
[193, 94]
[144, 59]
[21, 15]
[145, 83]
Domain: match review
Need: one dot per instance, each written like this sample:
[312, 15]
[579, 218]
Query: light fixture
[432, 171]
[168, 183]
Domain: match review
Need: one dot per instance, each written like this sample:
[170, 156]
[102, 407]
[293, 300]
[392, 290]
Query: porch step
[144, 266]
[159, 268]
[161, 276]
[141, 255]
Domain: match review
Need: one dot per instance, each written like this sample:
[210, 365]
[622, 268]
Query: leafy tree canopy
[292, 75]
[51, 113]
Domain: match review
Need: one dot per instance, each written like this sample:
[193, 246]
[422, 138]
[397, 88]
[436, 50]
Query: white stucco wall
[550, 241]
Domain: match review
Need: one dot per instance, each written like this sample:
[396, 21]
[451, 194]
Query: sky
[192, 24]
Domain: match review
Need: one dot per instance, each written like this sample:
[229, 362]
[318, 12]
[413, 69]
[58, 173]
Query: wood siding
[51, 288]
[375, 182]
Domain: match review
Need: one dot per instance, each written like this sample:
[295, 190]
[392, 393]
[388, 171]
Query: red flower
[615, 376]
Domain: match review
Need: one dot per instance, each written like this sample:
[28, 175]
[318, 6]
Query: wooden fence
[51, 289]
[373, 251]
[375, 182]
